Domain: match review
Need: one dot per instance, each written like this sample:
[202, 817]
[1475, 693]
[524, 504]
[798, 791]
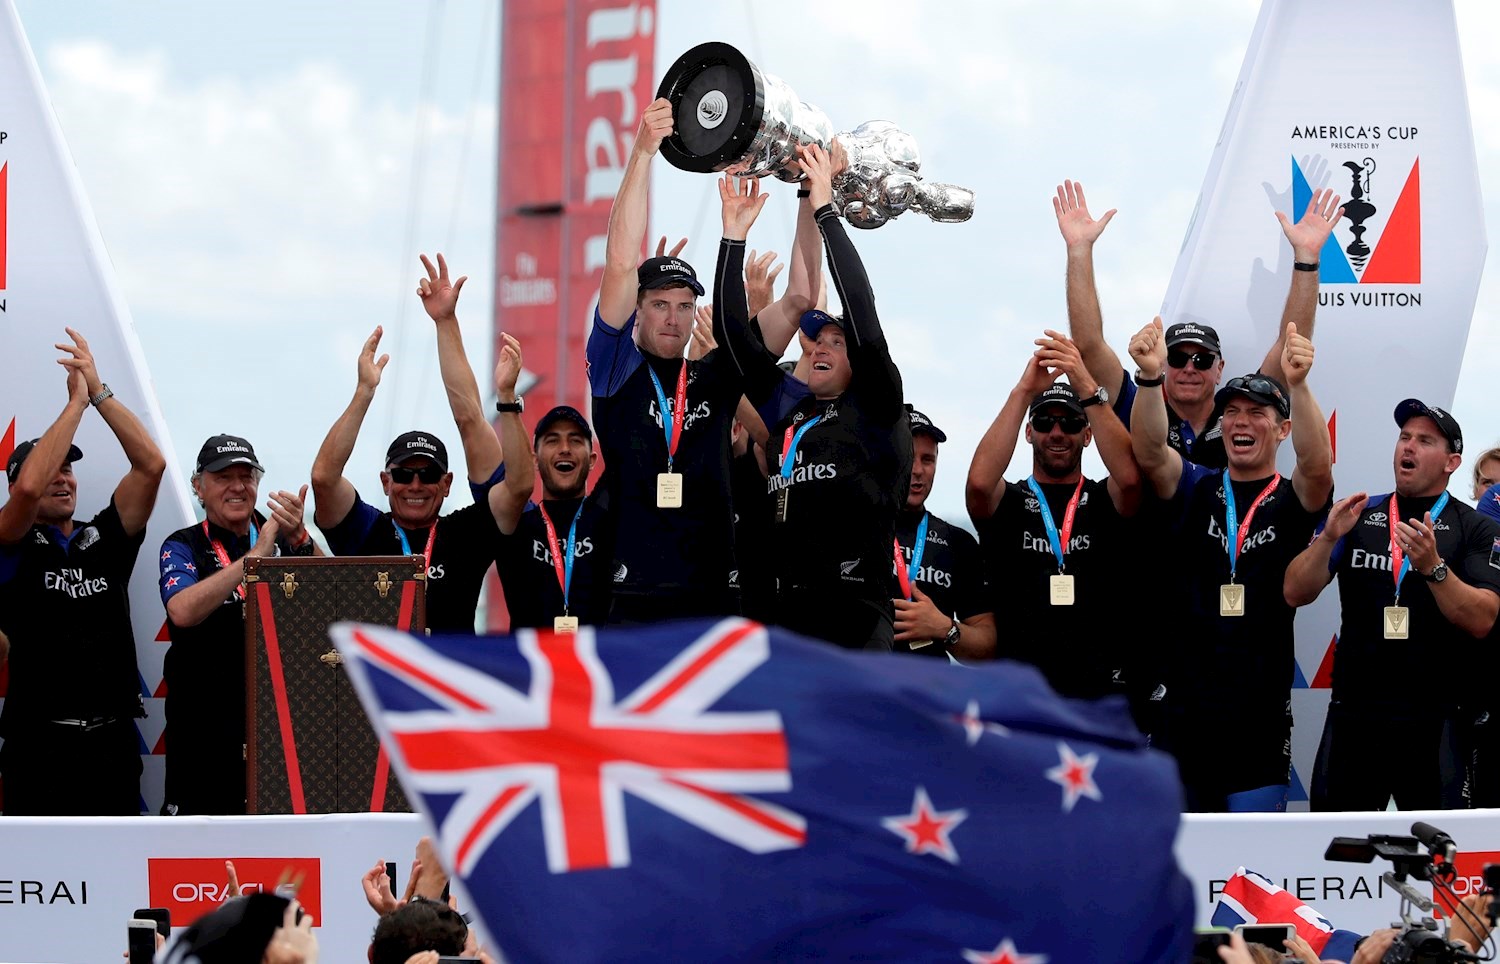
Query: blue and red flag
[723, 791]
[1251, 898]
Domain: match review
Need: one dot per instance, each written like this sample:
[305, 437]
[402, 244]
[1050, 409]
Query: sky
[264, 175]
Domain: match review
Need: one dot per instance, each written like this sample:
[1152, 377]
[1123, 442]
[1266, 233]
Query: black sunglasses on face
[429, 474]
[1071, 424]
[1202, 360]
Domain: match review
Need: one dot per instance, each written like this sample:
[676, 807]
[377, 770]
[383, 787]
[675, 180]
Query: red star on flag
[1005, 953]
[975, 725]
[1075, 774]
[926, 830]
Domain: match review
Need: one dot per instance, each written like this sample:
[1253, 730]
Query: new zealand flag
[716, 791]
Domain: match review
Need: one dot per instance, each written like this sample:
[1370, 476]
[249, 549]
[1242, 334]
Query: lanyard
[406, 546]
[1400, 564]
[562, 562]
[672, 428]
[906, 575]
[223, 556]
[1059, 544]
[1240, 530]
[790, 442]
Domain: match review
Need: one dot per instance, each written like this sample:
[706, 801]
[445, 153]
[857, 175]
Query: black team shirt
[1373, 673]
[951, 573]
[852, 469]
[681, 558]
[1080, 647]
[528, 575]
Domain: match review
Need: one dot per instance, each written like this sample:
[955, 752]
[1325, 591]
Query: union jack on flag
[722, 791]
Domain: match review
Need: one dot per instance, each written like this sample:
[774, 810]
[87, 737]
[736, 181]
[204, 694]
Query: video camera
[1425, 856]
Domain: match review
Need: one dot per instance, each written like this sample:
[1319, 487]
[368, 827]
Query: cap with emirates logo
[1060, 393]
[1191, 333]
[417, 445]
[222, 451]
[664, 272]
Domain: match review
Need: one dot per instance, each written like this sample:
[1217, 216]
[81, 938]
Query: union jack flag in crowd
[721, 791]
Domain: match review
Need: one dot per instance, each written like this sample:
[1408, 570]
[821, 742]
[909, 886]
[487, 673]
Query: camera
[1425, 856]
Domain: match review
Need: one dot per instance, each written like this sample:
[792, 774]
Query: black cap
[661, 272]
[921, 423]
[1191, 333]
[13, 464]
[1059, 394]
[222, 451]
[562, 413]
[814, 321]
[1260, 389]
[417, 444]
[1446, 423]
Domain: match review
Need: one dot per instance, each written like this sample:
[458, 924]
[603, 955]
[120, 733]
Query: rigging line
[413, 195]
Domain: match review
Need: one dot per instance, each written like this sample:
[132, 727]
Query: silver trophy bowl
[730, 116]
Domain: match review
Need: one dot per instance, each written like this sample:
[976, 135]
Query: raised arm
[986, 482]
[1310, 572]
[135, 496]
[779, 320]
[1312, 479]
[1161, 466]
[1307, 238]
[741, 202]
[1085, 318]
[508, 499]
[333, 493]
[482, 453]
[42, 465]
[627, 218]
[1058, 351]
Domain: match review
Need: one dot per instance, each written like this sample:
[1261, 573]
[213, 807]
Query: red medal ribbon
[1066, 535]
[1244, 529]
[679, 411]
[556, 550]
[223, 556]
[901, 577]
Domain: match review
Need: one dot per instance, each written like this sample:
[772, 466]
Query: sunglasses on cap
[1071, 424]
[429, 474]
[1202, 360]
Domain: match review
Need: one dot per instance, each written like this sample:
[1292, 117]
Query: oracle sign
[1468, 878]
[193, 886]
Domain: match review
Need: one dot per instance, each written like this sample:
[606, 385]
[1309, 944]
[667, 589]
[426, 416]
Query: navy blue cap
[1447, 424]
[667, 272]
[815, 321]
[562, 413]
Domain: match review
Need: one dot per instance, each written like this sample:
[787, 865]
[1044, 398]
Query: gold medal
[669, 490]
[1397, 622]
[1060, 589]
[565, 624]
[1231, 600]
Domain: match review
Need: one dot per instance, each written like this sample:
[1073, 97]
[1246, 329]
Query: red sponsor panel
[1468, 879]
[193, 886]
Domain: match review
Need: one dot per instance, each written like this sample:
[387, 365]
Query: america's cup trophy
[728, 115]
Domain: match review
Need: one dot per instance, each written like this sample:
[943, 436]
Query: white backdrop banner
[67, 886]
[1384, 121]
[54, 272]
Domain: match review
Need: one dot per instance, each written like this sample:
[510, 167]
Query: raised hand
[1343, 515]
[703, 333]
[1058, 351]
[1296, 356]
[661, 248]
[819, 168]
[1073, 218]
[1148, 348]
[508, 369]
[1419, 542]
[378, 893]
[1036, 377]
[80, 360]
[369, 367]
[266, 544]
[287, 509]
[742, 201]
[1317, 223]
[439, 295]
[760, 280]
[656, 126]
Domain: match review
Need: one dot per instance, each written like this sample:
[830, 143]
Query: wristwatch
[518, 406]
[954, 632]
[1149, 382]
[1439, 572]
[1100, 396]
[105, 392]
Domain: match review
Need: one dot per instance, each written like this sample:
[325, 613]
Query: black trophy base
[718, 98]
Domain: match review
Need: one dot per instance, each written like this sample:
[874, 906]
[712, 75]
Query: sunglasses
[1202, 360]
[1071, 424]
[429, 474]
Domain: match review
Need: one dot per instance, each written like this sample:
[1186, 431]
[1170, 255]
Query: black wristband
[804, 192]
[518, 406]
[1148, 382]
[1304, 266]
